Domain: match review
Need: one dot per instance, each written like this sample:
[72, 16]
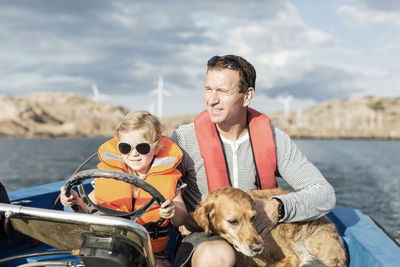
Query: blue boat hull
[366, 242]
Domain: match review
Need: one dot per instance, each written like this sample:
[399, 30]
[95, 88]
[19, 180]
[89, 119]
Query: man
[231, 144]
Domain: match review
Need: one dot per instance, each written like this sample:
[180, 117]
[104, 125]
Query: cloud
[123, 46]
[366, 13]
[384, 5]
[320, 83]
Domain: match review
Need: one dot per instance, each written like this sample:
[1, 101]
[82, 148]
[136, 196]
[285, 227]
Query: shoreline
[67, 115]
[294, 137]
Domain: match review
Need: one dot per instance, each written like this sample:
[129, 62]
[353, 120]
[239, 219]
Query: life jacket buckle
[155, 230]
[155, 235]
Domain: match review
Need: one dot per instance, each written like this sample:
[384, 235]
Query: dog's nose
[257, 247]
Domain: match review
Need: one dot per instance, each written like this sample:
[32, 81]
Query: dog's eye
[233, 222]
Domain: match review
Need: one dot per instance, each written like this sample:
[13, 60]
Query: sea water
[364, 173]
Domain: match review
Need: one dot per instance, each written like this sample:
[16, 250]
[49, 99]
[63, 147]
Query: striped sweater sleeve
[313, 196]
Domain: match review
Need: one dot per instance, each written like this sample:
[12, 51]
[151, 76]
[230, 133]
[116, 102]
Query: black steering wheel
[78, 178]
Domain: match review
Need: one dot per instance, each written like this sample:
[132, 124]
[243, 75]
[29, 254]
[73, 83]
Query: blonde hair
[141, 120]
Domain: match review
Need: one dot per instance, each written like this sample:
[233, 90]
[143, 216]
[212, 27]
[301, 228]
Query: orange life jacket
[262, 143]
[118, 195]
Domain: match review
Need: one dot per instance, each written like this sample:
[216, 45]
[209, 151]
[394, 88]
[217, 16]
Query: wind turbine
[152, 107]
[160, 92]
[97, 96]
[286, 106]
[286, 103]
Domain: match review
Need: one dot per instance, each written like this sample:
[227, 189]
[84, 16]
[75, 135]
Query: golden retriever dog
[229, 212]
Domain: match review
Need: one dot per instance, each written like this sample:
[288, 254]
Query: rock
[366, 117]
[173, 122]
[55, 114]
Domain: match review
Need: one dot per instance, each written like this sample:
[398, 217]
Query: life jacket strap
[156, 231]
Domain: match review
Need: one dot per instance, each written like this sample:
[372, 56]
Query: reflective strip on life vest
[166, 161]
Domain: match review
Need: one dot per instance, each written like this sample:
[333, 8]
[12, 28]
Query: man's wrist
[280, 209]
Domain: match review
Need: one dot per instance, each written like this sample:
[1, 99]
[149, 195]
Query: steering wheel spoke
[142, 210]
[78, 178]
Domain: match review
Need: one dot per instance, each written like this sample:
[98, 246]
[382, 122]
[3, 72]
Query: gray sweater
[313, 196]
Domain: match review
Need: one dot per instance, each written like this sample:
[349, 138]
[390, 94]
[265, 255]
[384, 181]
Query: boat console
[96, 240]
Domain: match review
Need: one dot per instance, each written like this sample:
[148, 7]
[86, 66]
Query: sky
[311, 50]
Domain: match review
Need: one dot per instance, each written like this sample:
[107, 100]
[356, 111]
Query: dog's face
[229, 213]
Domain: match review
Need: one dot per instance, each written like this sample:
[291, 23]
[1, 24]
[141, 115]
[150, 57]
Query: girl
[138, 148]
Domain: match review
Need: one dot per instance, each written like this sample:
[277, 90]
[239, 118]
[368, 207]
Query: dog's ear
[204, 214]
[252, 194]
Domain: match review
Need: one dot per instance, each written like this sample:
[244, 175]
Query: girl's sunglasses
[143, 148]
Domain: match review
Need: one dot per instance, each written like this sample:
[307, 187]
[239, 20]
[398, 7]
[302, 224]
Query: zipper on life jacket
[223, 151]
[257, 181]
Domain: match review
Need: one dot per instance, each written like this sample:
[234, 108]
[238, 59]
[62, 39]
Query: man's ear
[248, 96]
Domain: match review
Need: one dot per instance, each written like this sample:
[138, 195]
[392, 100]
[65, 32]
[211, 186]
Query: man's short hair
[247, 73]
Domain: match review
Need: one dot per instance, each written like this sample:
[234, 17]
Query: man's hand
[266, 217]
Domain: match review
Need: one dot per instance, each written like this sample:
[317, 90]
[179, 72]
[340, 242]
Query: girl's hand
[68, 201]
[167, 209]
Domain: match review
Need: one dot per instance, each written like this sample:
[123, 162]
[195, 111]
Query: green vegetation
[378, 105]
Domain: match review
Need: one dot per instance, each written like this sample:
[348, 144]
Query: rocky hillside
[52, 114]
[366, 117]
